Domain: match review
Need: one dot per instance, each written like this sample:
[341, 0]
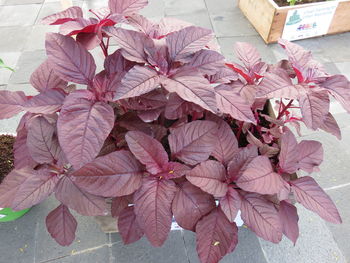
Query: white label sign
[309, 21]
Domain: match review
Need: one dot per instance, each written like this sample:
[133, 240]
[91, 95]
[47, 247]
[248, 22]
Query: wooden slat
[341, 19]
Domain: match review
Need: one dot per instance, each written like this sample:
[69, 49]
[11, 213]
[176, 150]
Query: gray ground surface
[26, 240]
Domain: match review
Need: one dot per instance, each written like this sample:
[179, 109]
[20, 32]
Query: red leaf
[310, 155]
[129, 229]
[230, 204]
[259, 177]
[192, 143]
[118, 204]
[261, 216]
[70, 60]
[247, 53]
[64, 16]
[289, 219]
[61, 225]
[114, 174]
[92, 122]
[240, 161]
[216, 237]
[153, 208]
[330, 125]
[126, 7]
[75, 198]
[288, 158]
[46, 102]
[207, 61]
[191, 204]
[44, 78]
[210, 177]
[11, 103]
[310, 194]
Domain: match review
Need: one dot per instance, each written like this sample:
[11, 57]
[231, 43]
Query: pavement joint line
[264, 252]
[336, 187]
[35, 240]
[183, 239]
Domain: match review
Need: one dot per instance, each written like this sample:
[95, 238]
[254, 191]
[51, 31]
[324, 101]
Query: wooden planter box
[269, 19]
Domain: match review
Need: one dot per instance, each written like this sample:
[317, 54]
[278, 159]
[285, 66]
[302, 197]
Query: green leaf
[2, 65]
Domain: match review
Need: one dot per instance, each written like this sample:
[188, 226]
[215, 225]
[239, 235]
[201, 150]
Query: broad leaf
[21, 152]
[339, 86]
[11, 103]
[153, 208]
[193, 143]
[247, 53]
[261, 216]
[230, 204]
[288, 157]
[177, 107]
[207, 61]
[311, 195]
[310, 155]
[70, 60]
[191, 204]
[126, 7]
[210, 177]
[289, 219]
[46, 102]
[241, 160]
[128, 226]
[330, 125]
[66, 15]
[83, 125]
[216, 237]
[61, 225]
[114, 174]
[259, 177]
[118, 204]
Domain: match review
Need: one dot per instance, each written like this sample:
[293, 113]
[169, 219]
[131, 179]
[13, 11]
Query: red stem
[285, 108]
[240, 130]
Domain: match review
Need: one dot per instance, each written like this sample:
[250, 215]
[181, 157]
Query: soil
[6, 155]
[286, 3]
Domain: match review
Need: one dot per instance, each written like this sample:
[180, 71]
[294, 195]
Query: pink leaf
[92, 122]
[44, 78]
[289, 219]
[61, 225]
[75, 198]
[115, 63]
[310, 194]
[207, 61]
[153, 208]
[230, 204]
[241, 160]
[259, 177]
[330, 125]
[193, 143]
[216, 237]
[11, 103]
[185, 42]
[118, 204]
[191, 204]
[288, 158]
[21, 151]
[173, 170]
[169, 25]
[138, 81]
[128, 227]
[310, 155]
[261, 216]
[66, 15]
[232, 103]
[114, 174]
[210, 177]
[191, 86]
[248, 54]
[46, 102]
[225, 75]
[70, 60]
[314, 108]
[177, 107]
[126, 7]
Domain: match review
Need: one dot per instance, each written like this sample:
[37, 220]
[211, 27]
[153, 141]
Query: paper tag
[309, 21]
[2, 216]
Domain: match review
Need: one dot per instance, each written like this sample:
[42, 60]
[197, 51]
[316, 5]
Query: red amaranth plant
[169, 128]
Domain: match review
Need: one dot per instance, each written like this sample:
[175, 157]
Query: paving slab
[22, 2]
[199, 18]
[344, 68]
[155, 8]
[10, 59]
[13, 38]
[336, 48]
[218, 6]
[19, 15]
[182, 7]
[36, 37]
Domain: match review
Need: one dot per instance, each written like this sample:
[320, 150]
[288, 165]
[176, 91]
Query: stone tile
[315, 243]
[36, 38]
[10, 59]
[10, 125]
[16, 37]
[198, 18]
[219, 6]
[155, 8]
[22, 2]
[341, 233]
[336, 47]
[19, 15]
[344, 68]
[232, 23]
[100, 255]
[181, 7]
[27, 88]
[172, 251]
[248, 249]
[52, 8]
[93, 4]
[226, 44]
[26, 65]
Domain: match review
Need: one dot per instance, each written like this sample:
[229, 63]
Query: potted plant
[169, 129]
[296, 19]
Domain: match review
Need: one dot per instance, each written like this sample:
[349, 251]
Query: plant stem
[285, 108]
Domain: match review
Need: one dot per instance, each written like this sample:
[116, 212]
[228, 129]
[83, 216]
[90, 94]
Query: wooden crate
[269, 19]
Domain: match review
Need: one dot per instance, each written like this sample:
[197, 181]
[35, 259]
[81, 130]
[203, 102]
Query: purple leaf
[193, 143]
[288, 157]
[225, 75]
[11, 103]
[46, 102]
[44, 78]
[261, 216]
[118, 204]
[259, 177]
[115, 63]
[126, 7]
[61, 225]
[21, 152]
[310, 155]
[92, 122]
[310, 194]
[153, 208]
[177, 107]
[70, 60]
[173, 170]
[66, 15]
[216, 237]
[207, 61]
[232, 103]
[230, 204]
[330, 125]
[210, 177]
[289, 219]
[185, 42]
[69, 194]
[191, 204]
[247, 53]
[241, 160]
[138, 81]
[115, 174]
[128, 227]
